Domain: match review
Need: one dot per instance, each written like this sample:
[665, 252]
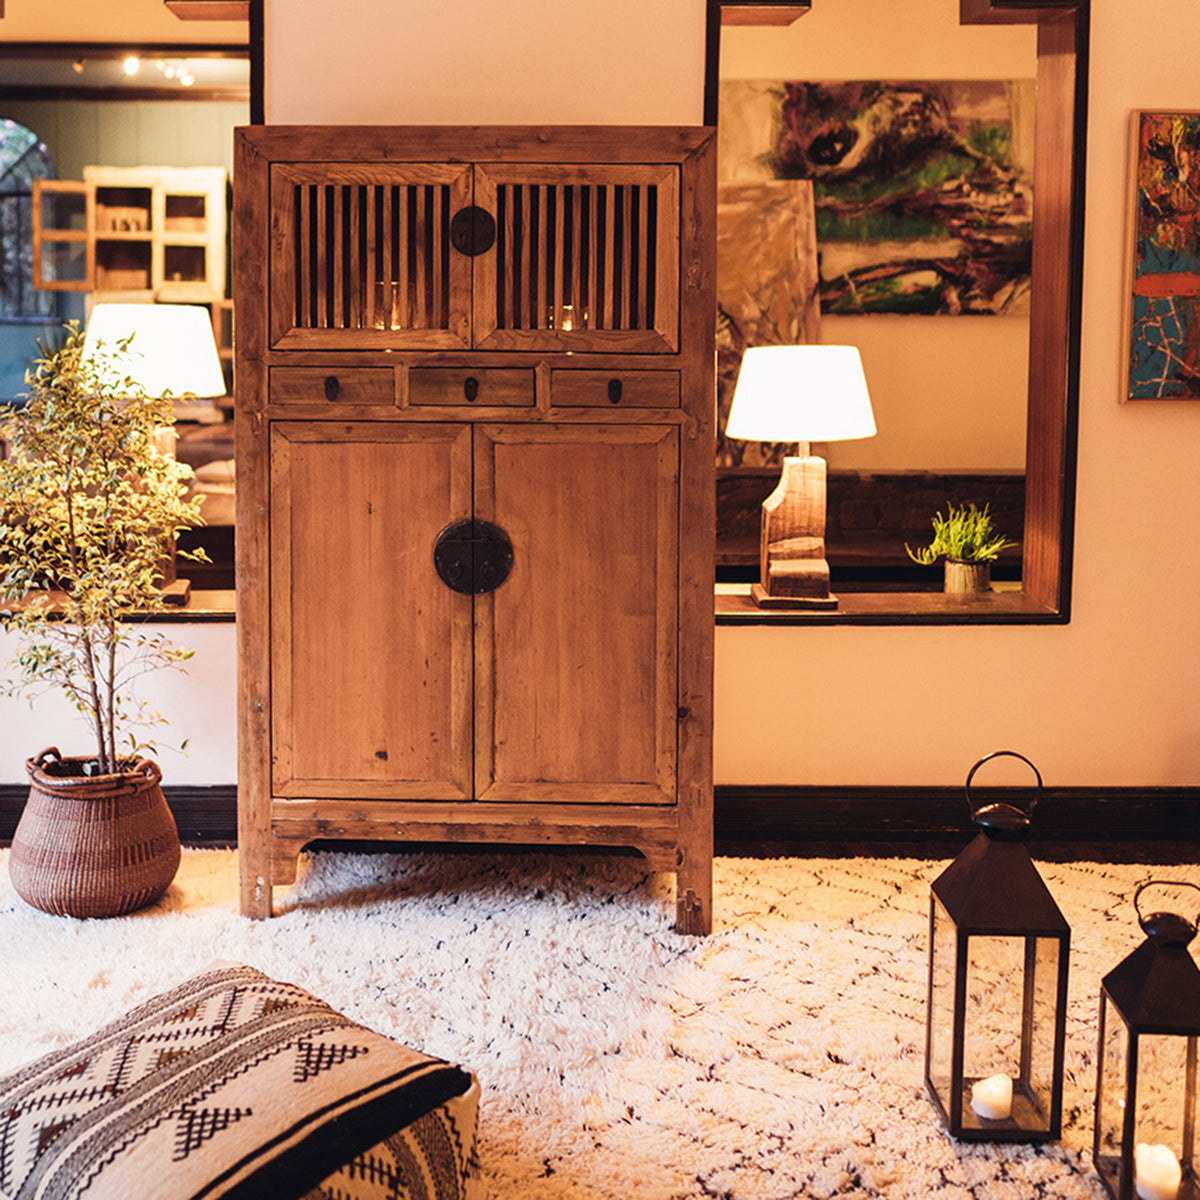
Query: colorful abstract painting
[923, 190]
[1164, 336]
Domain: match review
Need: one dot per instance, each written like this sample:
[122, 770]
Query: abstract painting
[766, 290]
[1164, 297]
[923, 190]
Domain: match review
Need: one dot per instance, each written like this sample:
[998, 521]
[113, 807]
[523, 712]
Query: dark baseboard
[205, 816]
[747, 819]
[1107, 823]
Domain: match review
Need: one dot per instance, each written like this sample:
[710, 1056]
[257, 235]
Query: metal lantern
[996, 1016]
[1145, 1126]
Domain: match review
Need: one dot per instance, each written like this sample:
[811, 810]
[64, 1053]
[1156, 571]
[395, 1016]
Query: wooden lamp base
[793, 572]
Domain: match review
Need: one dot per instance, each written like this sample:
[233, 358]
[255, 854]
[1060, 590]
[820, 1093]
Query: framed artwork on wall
[1161, 336]
[766, 290]
[923, 190]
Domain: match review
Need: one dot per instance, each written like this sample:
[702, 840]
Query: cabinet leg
[256, 893]
[693, 898]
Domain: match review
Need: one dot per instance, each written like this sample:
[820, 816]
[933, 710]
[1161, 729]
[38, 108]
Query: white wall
[935, 408]
[201, 706]
[1111, 699]
[522, 62]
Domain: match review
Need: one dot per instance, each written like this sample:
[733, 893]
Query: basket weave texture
[93, 846]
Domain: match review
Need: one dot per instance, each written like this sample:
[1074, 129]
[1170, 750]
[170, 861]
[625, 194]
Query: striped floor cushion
[235, 1085]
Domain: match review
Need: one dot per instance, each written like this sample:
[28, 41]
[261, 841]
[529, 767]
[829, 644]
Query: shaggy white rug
[780, 1057]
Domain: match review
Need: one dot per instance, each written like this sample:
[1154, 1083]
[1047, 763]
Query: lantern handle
[1003, 754]
[1170, 925]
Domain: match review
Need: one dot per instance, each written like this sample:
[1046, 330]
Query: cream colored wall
[462, 62]
[137, 22]
[935, 408]
[1111, 699]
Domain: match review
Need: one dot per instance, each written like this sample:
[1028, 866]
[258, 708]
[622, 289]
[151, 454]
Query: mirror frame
[1056, 297]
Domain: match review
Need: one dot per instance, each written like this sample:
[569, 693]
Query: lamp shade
[172, 348]
[801, 394]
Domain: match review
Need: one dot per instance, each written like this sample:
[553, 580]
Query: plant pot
[963, 577]
[93, 845]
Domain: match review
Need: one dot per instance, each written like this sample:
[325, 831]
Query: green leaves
[89, 499]
[965, 533]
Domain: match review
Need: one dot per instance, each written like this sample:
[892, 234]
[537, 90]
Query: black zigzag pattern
[196, 1126]
[431, 1135]
[374, 1169]
[314, 1057]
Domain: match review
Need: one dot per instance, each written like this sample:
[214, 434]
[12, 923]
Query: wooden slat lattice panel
[577, 255]
[366, 252]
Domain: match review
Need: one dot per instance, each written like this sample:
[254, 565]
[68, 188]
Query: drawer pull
[332, 387]
[471, 388]
[614, 391]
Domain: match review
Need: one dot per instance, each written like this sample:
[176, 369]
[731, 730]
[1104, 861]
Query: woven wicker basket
[93, 846]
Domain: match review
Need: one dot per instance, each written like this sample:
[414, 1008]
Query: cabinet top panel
[508, 143]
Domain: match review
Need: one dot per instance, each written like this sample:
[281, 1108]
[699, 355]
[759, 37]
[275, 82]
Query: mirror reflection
[877, 192]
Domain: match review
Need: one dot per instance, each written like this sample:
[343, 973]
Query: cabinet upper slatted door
[371, 652]
[576, 652]
[361, 256]
[586, 257]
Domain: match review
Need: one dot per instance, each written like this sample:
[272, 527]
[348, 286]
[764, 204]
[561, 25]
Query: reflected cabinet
[475, 462]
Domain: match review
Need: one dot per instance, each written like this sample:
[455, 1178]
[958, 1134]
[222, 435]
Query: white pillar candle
[1157, 1172]
[991, 1098]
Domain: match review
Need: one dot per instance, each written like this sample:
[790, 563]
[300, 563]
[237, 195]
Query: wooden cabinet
[452, 337]
[120, 231]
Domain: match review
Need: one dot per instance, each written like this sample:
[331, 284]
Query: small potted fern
[968, 542]
[88, 504]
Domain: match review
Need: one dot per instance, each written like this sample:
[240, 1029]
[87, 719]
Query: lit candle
[991, 1098]
[1157, 1172]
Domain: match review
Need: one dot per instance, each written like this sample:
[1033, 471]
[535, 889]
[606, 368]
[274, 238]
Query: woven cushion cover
[235, 1085]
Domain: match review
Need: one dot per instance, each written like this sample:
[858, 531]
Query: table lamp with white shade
[171, 351]
[172, 348]
[798, 394]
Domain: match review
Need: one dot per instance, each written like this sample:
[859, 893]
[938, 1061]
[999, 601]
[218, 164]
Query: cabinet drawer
[615, 389]
[332, 385]
[453, 385]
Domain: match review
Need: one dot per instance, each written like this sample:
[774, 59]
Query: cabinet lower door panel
[371, 678]
[576, 652]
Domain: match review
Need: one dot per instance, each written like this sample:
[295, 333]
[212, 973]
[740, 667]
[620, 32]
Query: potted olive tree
[969, 543]
[88, 505]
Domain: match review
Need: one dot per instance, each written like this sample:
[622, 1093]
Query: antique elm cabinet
[475, 406]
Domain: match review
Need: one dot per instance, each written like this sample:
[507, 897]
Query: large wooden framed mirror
[132, 110]
[1057, 31]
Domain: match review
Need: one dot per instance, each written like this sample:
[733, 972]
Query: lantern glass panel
[940, 1033]
[1111, 1083]
[1165, 1106]
[1011, 1001]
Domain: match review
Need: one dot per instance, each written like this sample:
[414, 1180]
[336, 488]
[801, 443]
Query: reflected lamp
[798, 394]
[172, 353]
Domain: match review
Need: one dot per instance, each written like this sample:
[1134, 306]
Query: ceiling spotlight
[186, 78]
[131, 64]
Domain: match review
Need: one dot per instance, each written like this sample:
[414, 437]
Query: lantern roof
[1157, 988]
[992, 887]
